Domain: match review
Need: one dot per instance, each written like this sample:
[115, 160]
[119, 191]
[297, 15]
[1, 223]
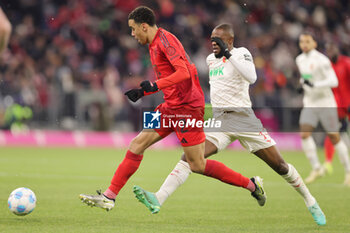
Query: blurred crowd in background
[70, 61]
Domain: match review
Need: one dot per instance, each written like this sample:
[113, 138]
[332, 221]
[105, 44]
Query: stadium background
[71, 61]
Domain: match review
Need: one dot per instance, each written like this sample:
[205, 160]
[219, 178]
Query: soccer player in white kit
[231, 71]
[317, 79]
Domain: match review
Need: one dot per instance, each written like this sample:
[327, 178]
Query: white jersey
[317, 69]
[230, 78]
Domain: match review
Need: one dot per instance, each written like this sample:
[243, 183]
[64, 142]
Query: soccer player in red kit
[177, 78]
[341, 66]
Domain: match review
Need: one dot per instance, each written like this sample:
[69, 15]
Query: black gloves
[223, 48]
[300, 89]
[307, 82]
[147, 86]
[134, 94]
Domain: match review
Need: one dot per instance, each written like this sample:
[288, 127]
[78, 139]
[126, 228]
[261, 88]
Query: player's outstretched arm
[5, 31]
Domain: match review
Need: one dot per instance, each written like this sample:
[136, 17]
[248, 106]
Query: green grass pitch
[58, 176]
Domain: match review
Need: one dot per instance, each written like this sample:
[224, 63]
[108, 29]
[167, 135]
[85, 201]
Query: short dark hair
[309, 32]
[226, 27]
[143, 14]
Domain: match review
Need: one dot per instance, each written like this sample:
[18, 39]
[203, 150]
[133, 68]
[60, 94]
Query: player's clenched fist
[134, 94]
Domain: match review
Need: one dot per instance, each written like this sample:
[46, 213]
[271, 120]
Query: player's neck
[308, 52]
[152, 31]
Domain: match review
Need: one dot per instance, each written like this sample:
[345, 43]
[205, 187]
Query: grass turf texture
[58, 176]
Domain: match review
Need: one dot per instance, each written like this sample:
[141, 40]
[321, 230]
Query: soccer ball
[22, 201]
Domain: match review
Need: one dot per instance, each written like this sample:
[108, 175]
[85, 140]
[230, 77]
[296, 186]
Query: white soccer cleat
[347, 179]
[97, 201]
[314, 175]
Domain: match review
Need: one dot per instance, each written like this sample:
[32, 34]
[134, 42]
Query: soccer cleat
[147, 198]
[97, 201]
[259, 193]
[347, 179]
[317, 214]
[314, 175]
[328, 167]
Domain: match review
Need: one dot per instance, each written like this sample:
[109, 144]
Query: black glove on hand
[307, 82]
[147, 86]
[223, 48]
[134, 94]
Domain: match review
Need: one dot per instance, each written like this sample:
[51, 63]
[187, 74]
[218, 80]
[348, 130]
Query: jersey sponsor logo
[306, 76]
[216, 71]
[151, 120]
[247, 57]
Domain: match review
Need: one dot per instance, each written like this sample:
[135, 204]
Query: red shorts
[184, 122]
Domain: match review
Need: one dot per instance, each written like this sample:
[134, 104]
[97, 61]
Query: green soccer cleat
[259, 193]
[97, 201]
[147, 198]
[317, 214]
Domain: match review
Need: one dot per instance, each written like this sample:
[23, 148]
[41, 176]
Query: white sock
[343, 154]
[295, 180]
[309, 148]
[345, 137]
[174, 180]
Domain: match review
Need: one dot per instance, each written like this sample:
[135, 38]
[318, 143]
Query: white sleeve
[331, 79]
[245, 65]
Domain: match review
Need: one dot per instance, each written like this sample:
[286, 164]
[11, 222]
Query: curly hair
[143, 14]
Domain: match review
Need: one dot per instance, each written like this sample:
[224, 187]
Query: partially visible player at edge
[229, 94]
[317, 79]
[341, 67]
[5, 31]
[178, 79]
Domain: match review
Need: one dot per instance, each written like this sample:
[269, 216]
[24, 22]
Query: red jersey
[164, 50]
[342, 92]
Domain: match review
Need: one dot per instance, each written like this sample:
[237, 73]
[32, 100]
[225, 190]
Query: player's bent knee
[197, 167]
[137, 145]
[282, 168]
[334, 137]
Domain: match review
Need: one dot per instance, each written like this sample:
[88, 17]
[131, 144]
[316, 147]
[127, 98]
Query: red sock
[125, 169]
[221, 172]
[329, 149]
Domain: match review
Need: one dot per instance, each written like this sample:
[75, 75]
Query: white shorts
[247, 128]
[327, 116]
